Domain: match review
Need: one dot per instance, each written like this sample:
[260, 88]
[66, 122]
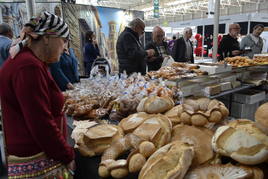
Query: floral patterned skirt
[37, 166]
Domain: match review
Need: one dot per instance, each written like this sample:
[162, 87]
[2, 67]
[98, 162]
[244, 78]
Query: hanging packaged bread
[170, 161]
[97, 138]
[242, 141]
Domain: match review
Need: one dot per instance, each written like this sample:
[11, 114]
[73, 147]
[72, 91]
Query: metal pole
[30, 6]
[216, 30]
[248, 32]
[1, 15]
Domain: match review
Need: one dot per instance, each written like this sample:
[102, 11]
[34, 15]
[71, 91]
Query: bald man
[159, 46]
[130, 51]
[229, 45]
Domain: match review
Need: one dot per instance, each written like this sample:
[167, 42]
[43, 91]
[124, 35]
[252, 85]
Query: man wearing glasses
[229, 46]
[130, 51]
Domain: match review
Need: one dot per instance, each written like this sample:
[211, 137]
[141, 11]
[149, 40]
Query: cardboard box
[243, 111]
[249, 96]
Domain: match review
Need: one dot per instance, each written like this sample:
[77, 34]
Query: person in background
[130, 52]
[65, 71]
[91, 51]
[229, 46]
[160, 47]
[253, 43]
[6, 35]
[183, 47]
[32, 103]
[171, 42]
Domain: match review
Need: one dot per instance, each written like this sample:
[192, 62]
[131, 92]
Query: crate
[249, 96]
[244, 111]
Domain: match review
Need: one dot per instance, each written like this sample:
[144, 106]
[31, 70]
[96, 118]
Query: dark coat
[227, 45]
[65, 71]
[179, 50]
[130, 52]
[158, 60]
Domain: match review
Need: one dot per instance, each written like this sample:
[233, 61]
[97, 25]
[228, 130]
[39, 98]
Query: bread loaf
[242, 141]
[98, 138]
[219, 172]
[200, 140]
[155, 104]
[170, 161]
[261, 118]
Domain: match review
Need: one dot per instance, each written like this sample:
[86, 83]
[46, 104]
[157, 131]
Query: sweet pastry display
[261, 60]
[219, 172]
[177, 71]
[198, 112]
[200, 140]
[170, 161]
[239, 61]
[95, 139]
[241, 141]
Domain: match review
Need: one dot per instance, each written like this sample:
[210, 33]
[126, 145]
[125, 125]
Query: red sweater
[32, 109]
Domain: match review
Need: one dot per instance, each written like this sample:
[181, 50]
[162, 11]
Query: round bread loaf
[242, 141]
[261, 117]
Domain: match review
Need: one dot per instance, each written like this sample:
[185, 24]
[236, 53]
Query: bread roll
[199, 120]
[136, 162]
[174, 113]
[170, 161]
[147, 148]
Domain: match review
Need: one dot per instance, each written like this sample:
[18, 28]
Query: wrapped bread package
[170, 161]
[242, 141]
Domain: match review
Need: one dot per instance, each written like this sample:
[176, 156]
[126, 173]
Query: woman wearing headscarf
[33, 121]
[65, 72]
[91, 51]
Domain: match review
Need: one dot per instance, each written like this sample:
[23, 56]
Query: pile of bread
[177, 71]
[262, 60]
[239, 61]
[114, 98]
[161, 145]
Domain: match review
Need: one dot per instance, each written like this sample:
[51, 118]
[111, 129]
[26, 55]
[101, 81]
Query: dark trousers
[87, 66]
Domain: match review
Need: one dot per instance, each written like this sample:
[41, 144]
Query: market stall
[162, 124]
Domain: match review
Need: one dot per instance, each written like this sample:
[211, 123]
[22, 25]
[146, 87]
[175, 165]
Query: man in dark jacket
[160, 47]
[229, 46]
[130, 52]
[183, 47]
